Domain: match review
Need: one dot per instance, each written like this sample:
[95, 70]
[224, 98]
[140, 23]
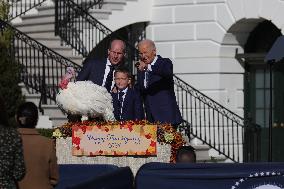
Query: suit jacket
[93, 70]
[132, 106]
[159, 96]
[40, 159]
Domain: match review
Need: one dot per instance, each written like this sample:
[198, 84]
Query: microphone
[137, 64]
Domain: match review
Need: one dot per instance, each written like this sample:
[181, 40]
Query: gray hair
[149, 42]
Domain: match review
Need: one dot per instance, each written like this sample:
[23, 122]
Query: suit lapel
[100, 71]
[157, 64]
[116, 105]
[142, 78]
[125, 102]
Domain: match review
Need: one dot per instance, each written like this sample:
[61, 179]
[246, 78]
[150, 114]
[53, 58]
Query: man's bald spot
[117, 42]
[148, 43]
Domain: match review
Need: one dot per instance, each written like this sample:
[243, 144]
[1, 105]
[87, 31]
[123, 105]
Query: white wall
[198, 36]
[133, 12]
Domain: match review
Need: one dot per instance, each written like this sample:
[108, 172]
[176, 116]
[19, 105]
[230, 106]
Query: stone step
[114, 4]
[50, 42]
[215, 159]
[35, 98]
[26, 90]
[232, 150]
[219, 135]
[53, 111]
[44, 122]
[40, 28]
[50, 10]
[58, 121]
[76, 59]
[42, 34]
[62, 50]
[37, 19]
[201, 152]
[100, 13]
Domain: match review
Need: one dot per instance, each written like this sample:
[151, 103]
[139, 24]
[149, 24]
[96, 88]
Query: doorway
[257, 89]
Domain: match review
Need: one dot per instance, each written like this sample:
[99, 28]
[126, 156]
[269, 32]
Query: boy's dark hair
[185, 150]
[27, 115]
[123, 70]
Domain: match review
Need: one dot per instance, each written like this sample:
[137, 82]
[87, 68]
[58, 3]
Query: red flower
[147, 152]
[148, 136]
[84, 128]
[153, 143]
[76, 140]
[130, 128]
[107, 129]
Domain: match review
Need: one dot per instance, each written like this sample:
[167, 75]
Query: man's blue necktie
[109, 78]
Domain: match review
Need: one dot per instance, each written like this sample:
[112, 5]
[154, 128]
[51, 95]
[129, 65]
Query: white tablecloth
[64, 156]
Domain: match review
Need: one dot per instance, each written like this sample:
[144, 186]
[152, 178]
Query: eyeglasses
[117, 53]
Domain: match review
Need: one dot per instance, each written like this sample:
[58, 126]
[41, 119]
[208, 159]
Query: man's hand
[142, 66]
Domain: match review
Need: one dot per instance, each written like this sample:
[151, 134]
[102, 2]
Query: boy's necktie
[120, 99]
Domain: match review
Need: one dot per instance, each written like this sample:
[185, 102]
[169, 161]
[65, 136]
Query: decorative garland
[166, 134]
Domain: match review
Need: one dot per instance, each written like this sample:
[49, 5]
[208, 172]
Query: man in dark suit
[155, 82]
[101, 72]
[127, 103]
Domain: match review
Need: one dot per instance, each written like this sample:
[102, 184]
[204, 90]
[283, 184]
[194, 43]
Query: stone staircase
[39, 24]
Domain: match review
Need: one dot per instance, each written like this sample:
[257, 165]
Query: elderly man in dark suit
[155, 82]
[101, 72]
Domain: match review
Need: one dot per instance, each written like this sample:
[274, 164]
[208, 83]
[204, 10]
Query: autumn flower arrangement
[166, 134]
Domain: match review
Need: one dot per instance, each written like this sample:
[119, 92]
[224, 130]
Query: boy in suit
[126, 102]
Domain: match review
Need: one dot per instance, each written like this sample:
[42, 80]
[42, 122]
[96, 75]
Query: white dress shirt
[123, 97]
[106, 73]
[149, 69]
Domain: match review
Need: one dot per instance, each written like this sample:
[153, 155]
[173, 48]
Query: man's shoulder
[95, 61]
[161, 59]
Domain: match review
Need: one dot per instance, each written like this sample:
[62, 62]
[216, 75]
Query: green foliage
[9, 72]
[4, 10]
[45, 132]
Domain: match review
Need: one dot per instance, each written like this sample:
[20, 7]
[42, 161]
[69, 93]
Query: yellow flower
[57, 133]
[169, 137]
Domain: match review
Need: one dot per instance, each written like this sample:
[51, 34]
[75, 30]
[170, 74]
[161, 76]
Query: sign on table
[115, 140]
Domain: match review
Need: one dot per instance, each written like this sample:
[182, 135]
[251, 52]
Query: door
[257, 94]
